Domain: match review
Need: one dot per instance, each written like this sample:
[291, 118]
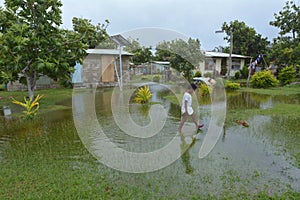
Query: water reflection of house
[217, 60]
[101, 68]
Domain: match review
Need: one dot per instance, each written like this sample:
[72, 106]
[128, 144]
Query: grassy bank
[50, 102]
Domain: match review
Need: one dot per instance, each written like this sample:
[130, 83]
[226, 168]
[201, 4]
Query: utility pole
[230, 54]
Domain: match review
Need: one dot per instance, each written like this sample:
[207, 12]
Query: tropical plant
[204, 89]
[263, 79]
[31, 106]
[287, 75]
[197, 74]
[143, 95]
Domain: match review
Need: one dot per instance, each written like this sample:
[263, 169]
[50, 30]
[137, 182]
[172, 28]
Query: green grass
[287, 90]
[50, 101]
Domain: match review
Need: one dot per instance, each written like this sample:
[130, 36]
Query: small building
[101, 68]
[214, 61]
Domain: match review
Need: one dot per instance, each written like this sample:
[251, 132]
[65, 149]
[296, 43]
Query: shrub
[232, 86]
[204, 89]
[143, 95]
[156, 78]
[143, 77]
[263, 79]
[287, 75]
[244, 72]
[237, 75]
[197, 74]
[208, 75]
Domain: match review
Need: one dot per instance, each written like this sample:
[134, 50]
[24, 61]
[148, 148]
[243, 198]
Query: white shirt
[187, 97]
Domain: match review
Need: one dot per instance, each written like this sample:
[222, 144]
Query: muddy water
[260, 157]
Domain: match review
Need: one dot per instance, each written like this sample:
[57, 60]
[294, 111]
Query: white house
[215, 60]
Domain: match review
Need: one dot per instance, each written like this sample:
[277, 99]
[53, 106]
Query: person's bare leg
[183, 120]
[196, 122]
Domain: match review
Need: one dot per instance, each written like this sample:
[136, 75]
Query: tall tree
[286, 47]
[140, 53]
[184, 56]
[245, 39]
[32, 44]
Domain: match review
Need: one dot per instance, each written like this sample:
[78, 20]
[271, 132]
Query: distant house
[214, 61]
[101, 68]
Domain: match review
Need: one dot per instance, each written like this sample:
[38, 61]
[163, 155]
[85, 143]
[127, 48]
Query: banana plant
[31, 106]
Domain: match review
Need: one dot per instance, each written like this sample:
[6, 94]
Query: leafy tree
[286, 47]
[140, 54]
[91, 35]
[287, 75]
[32, 44]
[246, 41]
[184, 56]
[288, 20]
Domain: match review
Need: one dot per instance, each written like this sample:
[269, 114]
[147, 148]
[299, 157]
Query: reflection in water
[185, 150]
[262, 155]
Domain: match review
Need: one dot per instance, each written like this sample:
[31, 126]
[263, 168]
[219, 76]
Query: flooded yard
[246, 161]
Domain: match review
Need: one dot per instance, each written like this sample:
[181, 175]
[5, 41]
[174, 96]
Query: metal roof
[108, 52]
[161, 62]
[222, 55]
[120, 40]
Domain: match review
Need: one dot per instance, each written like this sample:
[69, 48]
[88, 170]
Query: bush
[144, 78]
[197, 74]
[244, 72]
[232, 86]
[287, 75]
[237, 75]
[204, 89]
[208, 75]
[156, 78]
[263, 79]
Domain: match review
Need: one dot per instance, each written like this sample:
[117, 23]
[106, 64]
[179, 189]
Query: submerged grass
[48, 161]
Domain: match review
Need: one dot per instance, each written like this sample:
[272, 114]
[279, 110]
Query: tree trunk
[31, 80]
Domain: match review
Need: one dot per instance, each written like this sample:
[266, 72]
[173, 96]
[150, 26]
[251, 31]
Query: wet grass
[48, 161]
[287, 90]
[50, 101]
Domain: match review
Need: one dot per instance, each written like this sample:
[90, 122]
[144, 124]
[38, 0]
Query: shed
[100, 69]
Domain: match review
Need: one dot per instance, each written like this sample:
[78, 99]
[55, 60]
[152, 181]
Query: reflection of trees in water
[241, 101]
[175, 110]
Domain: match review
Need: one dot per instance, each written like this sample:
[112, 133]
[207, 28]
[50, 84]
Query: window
[210, 64]
[236, 64]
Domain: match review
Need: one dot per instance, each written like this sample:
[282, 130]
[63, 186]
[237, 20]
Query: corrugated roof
[162, 62]
[107, 52]
[223, 55]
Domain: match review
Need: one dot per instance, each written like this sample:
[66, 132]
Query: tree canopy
[140, 53]
[184, 56]
[246, 41]
[32, 44]
[286, 47]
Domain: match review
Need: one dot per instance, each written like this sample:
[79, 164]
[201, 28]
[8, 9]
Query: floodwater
[262, 157]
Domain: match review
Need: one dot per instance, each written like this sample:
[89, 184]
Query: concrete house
[215, 60]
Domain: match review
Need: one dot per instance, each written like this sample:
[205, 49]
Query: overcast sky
[191, 18]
